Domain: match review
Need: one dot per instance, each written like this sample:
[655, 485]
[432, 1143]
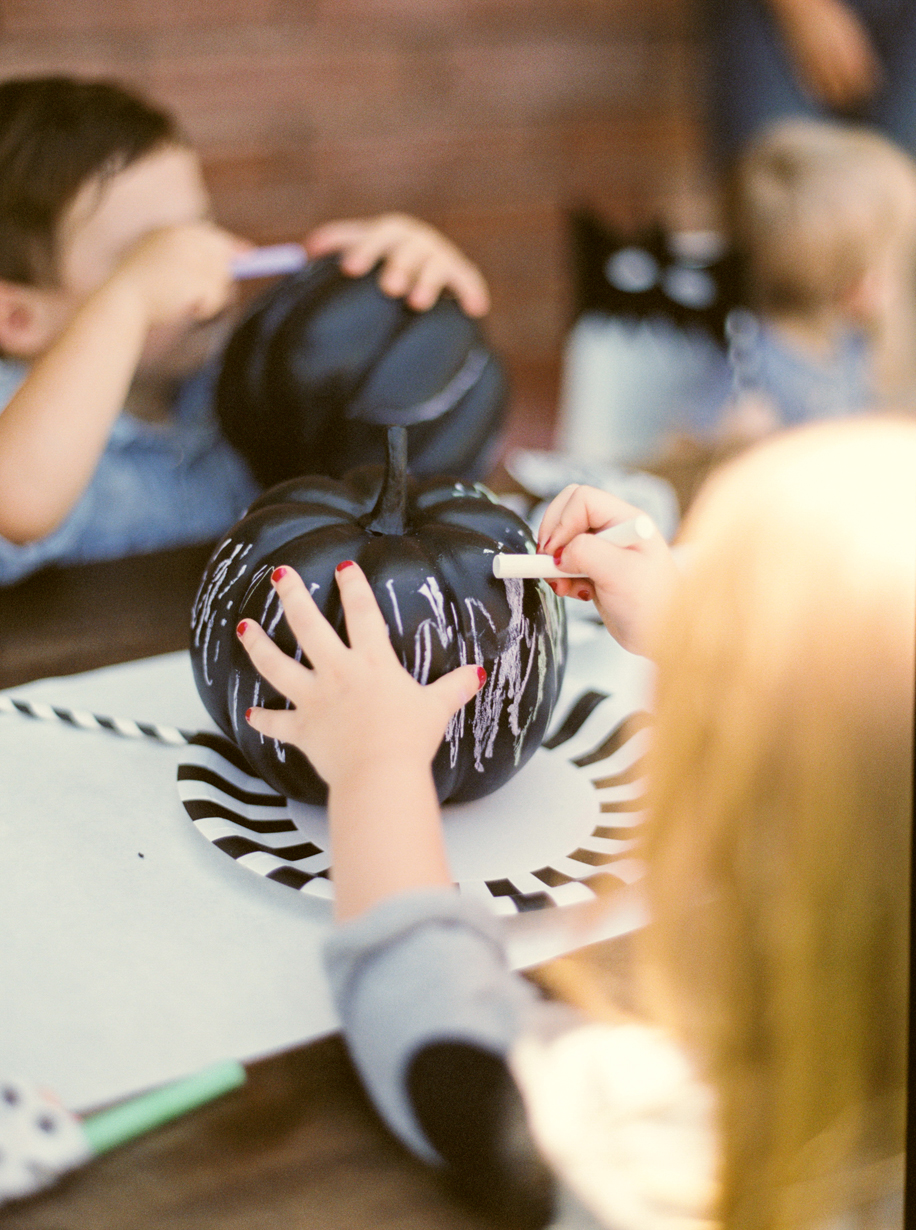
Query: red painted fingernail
[278, 574]
[248, 713]
[240, 628]
[557, 557]
[481, 676]
[344, 563]
[584, 595]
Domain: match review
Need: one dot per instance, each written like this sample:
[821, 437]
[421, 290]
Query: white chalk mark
[205, 611]
[389, 585]
[234, 704]
[423, 647]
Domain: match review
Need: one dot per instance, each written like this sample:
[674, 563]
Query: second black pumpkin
[322, 364]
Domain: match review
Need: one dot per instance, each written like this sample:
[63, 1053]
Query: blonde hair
[778, 843]
[811, 204]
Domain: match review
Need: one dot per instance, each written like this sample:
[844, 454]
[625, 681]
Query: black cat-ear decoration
[653, 275]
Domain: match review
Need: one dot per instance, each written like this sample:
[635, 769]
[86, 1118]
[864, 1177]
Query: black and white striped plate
[560, 831]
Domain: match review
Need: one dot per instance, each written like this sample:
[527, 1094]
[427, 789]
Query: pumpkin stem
[389, 516]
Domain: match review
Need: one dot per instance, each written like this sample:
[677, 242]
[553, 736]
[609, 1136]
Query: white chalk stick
[269, 262]
[625, 534]
[506, 566]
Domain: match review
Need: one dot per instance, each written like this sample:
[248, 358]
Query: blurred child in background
[824, 216]
[115, 290]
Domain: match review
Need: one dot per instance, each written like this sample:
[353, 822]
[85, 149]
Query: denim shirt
[802, 389]
[798, 387]
[156, 485]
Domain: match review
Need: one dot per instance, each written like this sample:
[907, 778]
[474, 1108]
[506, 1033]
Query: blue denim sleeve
[155, 486]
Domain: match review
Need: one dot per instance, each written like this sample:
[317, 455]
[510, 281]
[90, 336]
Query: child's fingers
[583, 509]
[448, 269]
[404, 264]
[455, 689]
[334, 236]
[359, 257]
[280, 670]
[318, 639]
[551, 518]
[419, 262]
[575, 587]
[470, 287]
[378, 239]
[366, 627]
[422, 263]
[271, 723]
[361, 242]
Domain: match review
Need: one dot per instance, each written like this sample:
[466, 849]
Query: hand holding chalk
[625, 534]
[628, 587]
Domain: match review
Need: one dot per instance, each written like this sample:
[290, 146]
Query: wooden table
[66, 620]
[298, 1145]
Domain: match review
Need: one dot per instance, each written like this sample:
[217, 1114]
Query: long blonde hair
[778, 843]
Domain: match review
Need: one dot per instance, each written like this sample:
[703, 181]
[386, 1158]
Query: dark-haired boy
[114, 290]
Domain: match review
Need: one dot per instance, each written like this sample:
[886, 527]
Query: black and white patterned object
[39, 1140]
[561, 831]
[654, 274]
[81, 719]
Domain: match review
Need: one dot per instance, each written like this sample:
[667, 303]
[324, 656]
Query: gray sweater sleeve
[423, 967]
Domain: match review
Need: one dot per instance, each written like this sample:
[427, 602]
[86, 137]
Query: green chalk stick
[108, 1128]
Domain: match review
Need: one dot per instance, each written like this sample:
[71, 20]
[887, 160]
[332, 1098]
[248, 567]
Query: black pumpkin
[322, 364]
[427, 549]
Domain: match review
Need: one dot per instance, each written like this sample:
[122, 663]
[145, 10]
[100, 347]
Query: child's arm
[55, 428]
[831, 49]
[428, 1004]
[418, 261]
[371, 732]
[629, 585]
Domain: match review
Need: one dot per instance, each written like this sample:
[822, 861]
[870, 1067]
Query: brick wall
[487, 117]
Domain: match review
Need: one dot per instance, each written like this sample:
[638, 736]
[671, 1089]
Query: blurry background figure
[802, 308]
[823, 219]
[651, 299]
[634, 373]
[850, 59]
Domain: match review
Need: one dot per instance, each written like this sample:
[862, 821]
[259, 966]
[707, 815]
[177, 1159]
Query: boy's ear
[29, 320]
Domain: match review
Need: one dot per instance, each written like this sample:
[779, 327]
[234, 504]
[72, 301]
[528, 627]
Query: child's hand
[356, 707]
[628, 585]
[418, 262]
[180, 273]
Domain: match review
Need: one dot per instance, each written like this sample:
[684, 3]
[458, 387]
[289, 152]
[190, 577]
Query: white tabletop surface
[134, 951]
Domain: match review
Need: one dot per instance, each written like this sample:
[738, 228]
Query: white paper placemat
[136, 952]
